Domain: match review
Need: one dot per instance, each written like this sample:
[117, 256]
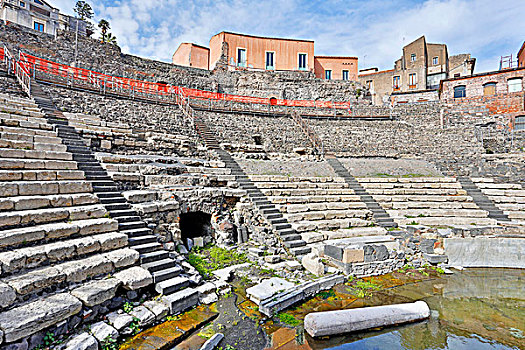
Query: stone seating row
[508, 197]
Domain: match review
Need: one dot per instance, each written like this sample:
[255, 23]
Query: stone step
[141, 240]
[133, 225]
[49, 201]
[104, 188]
[110, 195]
[128, 218]
[154, 256]
[38, 188]
[295, 243]
[300, 250]
[159, 265]
[162, 275]
[147, 247]
[119, 213]
[113, 200]
[172, 285]
[181, 300]
[290, 237]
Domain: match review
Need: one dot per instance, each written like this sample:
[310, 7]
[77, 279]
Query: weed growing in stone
[109, 343]
[287, 319]
[127, 307]
[135, 326]
[363, 289]
[207, 260]
[325, 294]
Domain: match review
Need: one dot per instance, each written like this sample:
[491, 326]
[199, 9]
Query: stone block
[134, 278]
[181, 300]
[78, 271]
[112, 240]
[96, 292]
[145, 316]
[333, 252]
[83, 341]
[94, 226]
[352, 255]
[7, 295]
[313, 264]
[119, 320]
[36, 280]
[267, 289]
[102, 331]
[122, 257]
[28, 319]
[160, 310]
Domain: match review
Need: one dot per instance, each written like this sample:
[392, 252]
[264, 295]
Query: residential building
[192, 55]
[39, 15]
[521, 56]
[419, 71]
[335, 67]
[235, 51]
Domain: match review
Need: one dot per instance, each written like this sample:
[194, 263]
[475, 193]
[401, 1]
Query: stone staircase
[482, 200]
[288, 236]
[153, 257]
[380, 216]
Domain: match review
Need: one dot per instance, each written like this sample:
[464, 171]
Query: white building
[38, 15]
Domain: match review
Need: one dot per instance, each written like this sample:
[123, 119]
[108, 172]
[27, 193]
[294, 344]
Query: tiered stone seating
[315, 206]
[54, 233]
[158, 170]
[104, 135]
[508, 197]
[438, 201]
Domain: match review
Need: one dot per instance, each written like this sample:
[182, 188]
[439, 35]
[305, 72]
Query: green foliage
[49, 339]
[213, 259]
[109, 343]
[325, 294]
[135, 326]
[363, 289]
[128, 307]
[413, 223]
[287, 319]
[173, 318]
[83, 10]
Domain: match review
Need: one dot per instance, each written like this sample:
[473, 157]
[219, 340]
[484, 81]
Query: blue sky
[373, 30]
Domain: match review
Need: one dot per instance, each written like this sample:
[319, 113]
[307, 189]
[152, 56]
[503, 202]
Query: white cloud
[373, 30]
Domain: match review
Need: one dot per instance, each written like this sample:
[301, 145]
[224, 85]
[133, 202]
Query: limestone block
[78, 271]
[313, 264]
[12, 261]
[60, 230]
[112, 240]
[122, 257]
[21, 235]
[8, 189]
[86, 212]
[181, 300]
[353, 255]
[102, 331]
[85, 245]
[60, 201]
[134, 278]
[10, 219]
[36, 280]
[267, 288]
[28, 319]
[83, 341]
[74, 186]
[7, 295]
[37, 188]
[312, 237]
[59, 251]
[119, 320]
[145, 316]
[94, 226]
[485, 252]
[159, 309]
[96, 292]
[84, 198]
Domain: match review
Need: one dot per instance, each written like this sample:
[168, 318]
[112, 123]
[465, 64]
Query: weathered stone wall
[139, 115]
[276, 134]
[415, 97]
[94, 55]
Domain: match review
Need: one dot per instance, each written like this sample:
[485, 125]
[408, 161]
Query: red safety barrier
[101, 80]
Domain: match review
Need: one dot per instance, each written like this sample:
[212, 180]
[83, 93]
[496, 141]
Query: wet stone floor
[471, 309]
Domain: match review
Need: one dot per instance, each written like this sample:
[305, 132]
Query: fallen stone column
[319, 324]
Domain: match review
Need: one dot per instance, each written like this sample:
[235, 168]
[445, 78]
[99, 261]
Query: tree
[110, 39]
[83, 10]
[85, 13]
[104, 27]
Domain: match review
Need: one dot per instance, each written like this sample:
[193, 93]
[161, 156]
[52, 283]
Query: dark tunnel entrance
[194, 224]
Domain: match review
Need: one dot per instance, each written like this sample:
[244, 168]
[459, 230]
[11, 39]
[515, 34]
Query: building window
[457, 75]
[328, 74]
[370, 85]
[39, 2]
[412, 81]
[302, 61]
[519, 123]
[435, 61]
[413, 57]
[489, 89]
[270, 60]
[460, 91]
[515, 85]
[241, 57]
[22, 4]
[345, 75]
[395, 82]
[38, 26]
